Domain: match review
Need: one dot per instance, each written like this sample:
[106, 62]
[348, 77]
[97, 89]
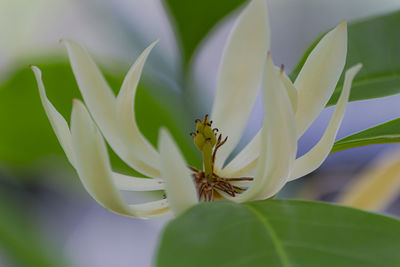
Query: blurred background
[46, 217]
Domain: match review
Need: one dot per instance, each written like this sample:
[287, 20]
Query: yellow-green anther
[205, 140]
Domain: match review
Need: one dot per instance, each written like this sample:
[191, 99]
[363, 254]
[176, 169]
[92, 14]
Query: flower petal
[278, 140]
[154, 210]
[240, 75]
[245, 162]
[101, 103]
[179, 186]
[57, 121]
[314, 158]
[319, 76]
[129, 183]
[279, 143]
[92, 163]
[61, 129]
[290, 89]
[125, 114]
[377, 186]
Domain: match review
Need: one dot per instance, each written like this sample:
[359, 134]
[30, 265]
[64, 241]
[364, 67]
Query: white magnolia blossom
[270, 158]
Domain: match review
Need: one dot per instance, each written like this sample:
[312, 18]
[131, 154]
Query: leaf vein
[274, 237]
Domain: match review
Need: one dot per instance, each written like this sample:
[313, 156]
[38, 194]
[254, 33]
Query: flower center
[208, 183]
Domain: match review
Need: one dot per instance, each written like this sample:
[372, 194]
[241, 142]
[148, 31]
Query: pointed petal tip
[357, 67]
[76, 102]
[35, 69]
[342, 26]
[38, 76]
[76, 105]
[68, 42]
[340, 29]
[162, 133]
[151, 46]
[65, 41]
[354, 69]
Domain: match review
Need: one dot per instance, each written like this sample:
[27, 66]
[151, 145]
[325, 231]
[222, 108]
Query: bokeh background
[46, 217]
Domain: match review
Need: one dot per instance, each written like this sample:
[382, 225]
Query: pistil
[205, 140]
[208, 183]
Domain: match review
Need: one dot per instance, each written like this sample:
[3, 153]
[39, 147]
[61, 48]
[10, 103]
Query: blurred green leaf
[26, 135]
[375, 43]
[279, 233]
[388, 132]
[194, 19]
[20, 238]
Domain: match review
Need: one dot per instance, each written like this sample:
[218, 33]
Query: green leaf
[279, 233]
[26, 135]
[375, 43]
[194, 20]
[388, 132]
[19, 238]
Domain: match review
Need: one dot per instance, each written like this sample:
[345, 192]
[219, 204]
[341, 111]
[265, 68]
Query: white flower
[270, 158]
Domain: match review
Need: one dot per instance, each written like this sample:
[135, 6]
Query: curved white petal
[129, 183]
[92, 163]
[240, 75]
[154, 210]
[245, 162]
[318, 77]
[314, 158]
[290, 89]
[179, 186]
[61, 129]
[57, 121]
[278, 140]
[278, 151]
[125, 114]
[101, 103]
